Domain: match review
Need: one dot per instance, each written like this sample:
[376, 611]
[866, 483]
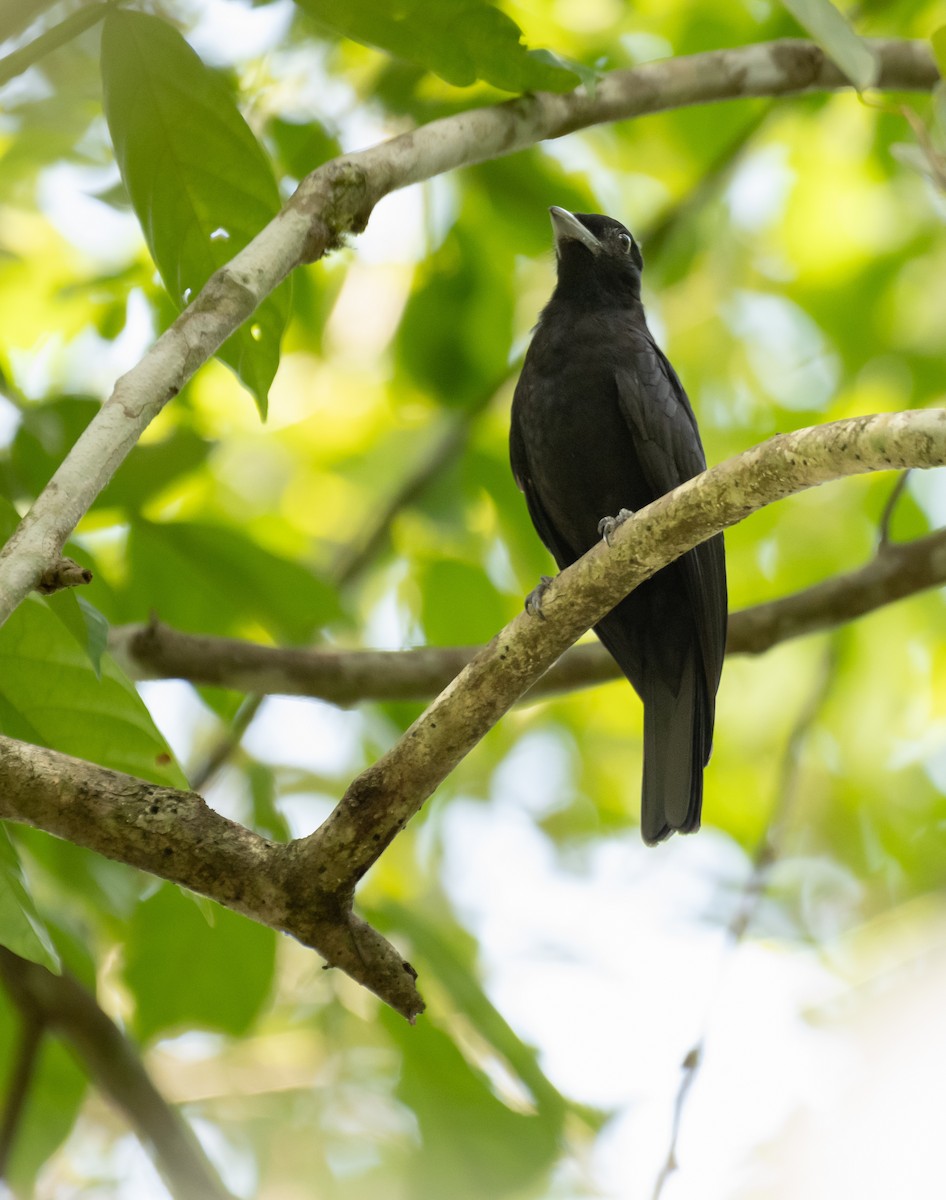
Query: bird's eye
[625, 242]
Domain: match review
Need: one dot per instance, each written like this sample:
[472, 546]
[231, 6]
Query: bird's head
[597, 256]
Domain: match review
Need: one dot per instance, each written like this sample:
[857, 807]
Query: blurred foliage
[459, 40]
[794, 253]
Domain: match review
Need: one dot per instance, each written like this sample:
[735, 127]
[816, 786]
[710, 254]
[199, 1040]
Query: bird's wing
[553, 540]
[660, 417]
[669, 451]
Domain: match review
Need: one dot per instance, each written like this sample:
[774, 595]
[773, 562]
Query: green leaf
[462, 41]
[301, 147]
[150, 468]
[472, 1144]
[21, 927]
[84, 622]
[458, 603]
[96, 633]
[9, 519]
[92, 892]
[831, 30]
[230, 581]
[48, 431]
[45, 435]
[50, 696]
[938, 42]
[177, 962]
[198, 180]
[455, 336]
[939, 114]
[441, 945]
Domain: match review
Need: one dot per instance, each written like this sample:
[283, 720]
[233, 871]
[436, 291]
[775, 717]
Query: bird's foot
[608, 526]
[534, 599]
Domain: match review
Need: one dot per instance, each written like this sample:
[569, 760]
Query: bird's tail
[675, 751]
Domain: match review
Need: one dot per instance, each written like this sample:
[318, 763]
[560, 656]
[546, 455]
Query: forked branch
[306, 887]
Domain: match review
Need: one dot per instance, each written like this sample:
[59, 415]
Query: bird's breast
[581, 455]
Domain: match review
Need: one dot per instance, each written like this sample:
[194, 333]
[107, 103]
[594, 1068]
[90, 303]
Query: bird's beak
[567, 228]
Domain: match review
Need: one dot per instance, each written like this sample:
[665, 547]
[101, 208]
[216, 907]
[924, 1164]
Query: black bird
[601, 424]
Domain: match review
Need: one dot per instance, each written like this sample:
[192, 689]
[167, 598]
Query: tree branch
[61, 1003]
[64, 573]
[348, 677]
[306, 887]
[385, 796]
[176, 836]
[16, 15]
[338, 199]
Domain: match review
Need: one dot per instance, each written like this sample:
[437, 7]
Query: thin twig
[223, 750]
[690, 1067]
[886, 517]
[17, 15]
[27, 56]
[768, 850]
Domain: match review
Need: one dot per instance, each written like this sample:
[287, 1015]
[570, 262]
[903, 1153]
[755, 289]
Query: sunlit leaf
[440, 945]
[50, 695]
[48, 431]
[198, 179]
[213, 578]
[459, 40]
[460, 605]
[938, 41]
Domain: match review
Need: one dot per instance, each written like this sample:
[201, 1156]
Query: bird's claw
[533, 603]
[608, 526]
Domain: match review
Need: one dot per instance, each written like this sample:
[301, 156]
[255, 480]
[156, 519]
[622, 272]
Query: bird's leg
[607, 526]
[533, 604]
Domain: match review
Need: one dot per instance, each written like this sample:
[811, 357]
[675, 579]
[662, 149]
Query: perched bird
[601, 425]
